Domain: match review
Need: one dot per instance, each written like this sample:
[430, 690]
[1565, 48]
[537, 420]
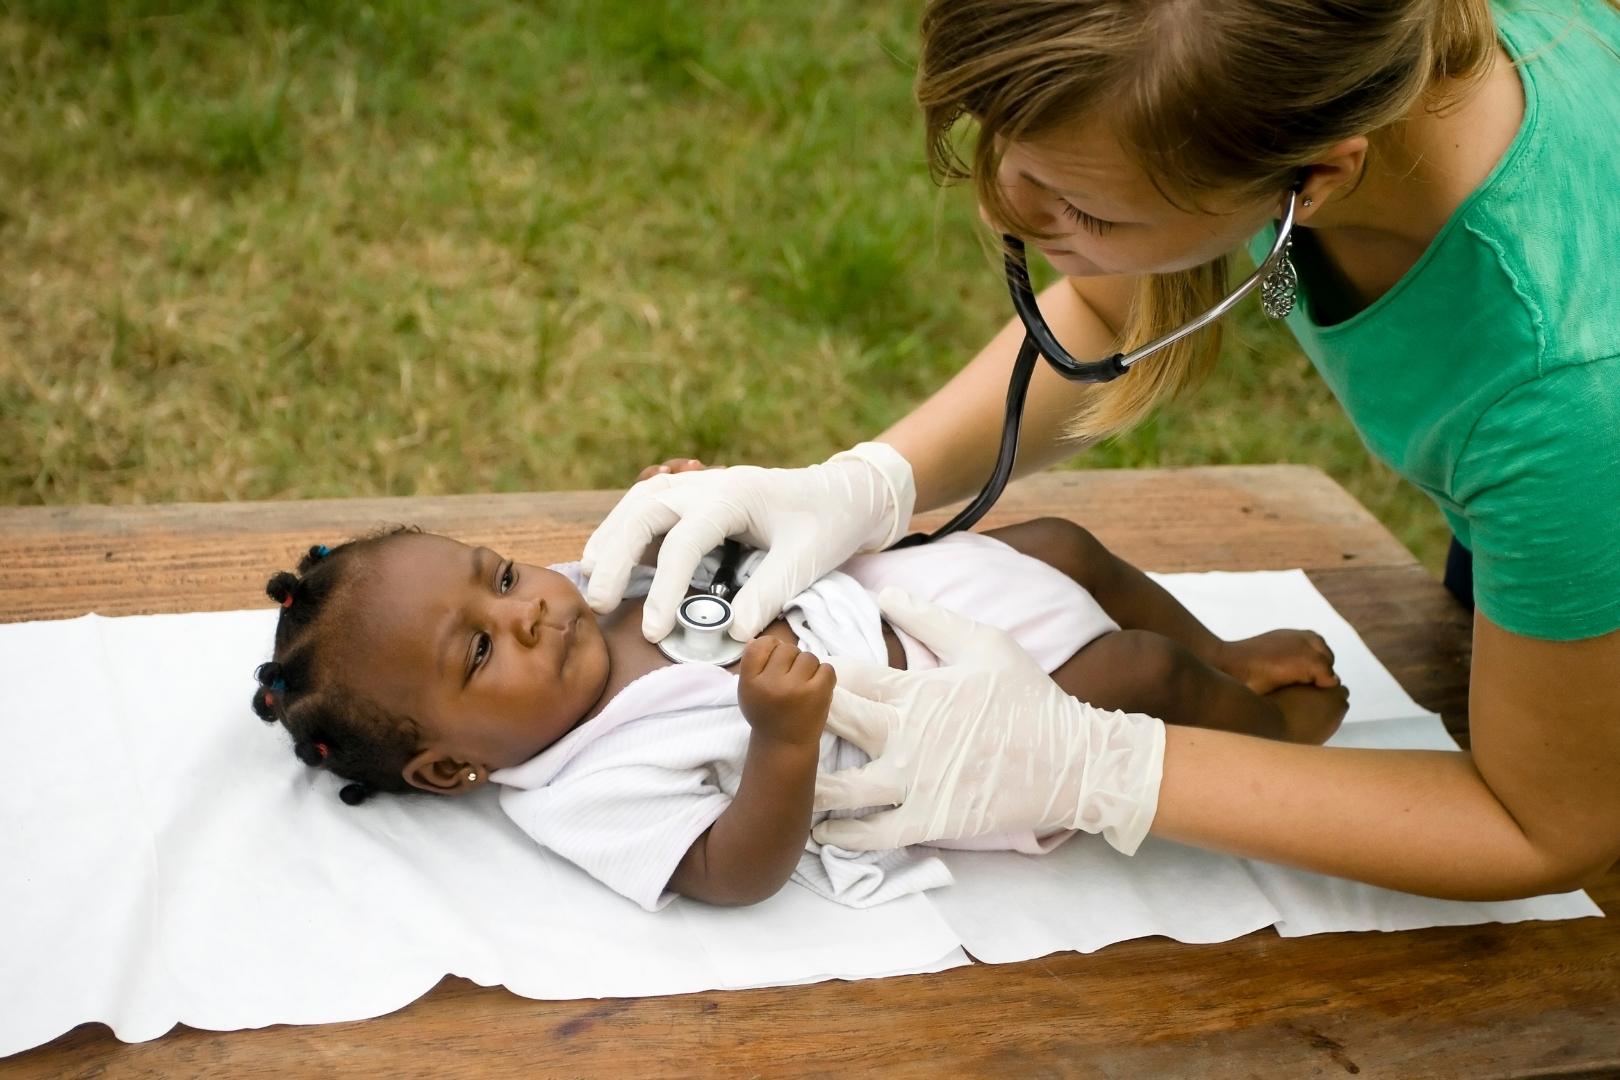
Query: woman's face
[1103, 213]
[495, 660]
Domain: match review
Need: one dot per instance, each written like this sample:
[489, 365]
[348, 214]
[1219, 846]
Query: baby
[411, 662]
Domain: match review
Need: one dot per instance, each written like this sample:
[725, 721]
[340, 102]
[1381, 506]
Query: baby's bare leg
[1131, 598]
[1165, 662]
[1140, 671]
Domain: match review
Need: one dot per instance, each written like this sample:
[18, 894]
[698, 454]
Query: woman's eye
[508, 577]
[1086, 221]
[482, 647]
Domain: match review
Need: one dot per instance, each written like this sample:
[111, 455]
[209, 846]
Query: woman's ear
[1335, 171]
[433, 772]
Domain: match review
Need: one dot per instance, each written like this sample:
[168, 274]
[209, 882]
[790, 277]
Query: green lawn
[279, 249]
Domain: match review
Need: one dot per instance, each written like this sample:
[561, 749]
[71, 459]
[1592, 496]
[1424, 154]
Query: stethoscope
[702, 620]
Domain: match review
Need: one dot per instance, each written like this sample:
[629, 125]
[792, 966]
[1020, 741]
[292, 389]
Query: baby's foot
[1311, 714]
[1279, 658]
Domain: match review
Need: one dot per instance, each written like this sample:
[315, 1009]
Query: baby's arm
[751, 849]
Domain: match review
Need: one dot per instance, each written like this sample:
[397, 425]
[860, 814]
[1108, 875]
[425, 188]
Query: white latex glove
[810, 520]
[987, 744]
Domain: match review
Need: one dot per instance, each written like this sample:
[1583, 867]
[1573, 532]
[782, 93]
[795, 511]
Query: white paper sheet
[1086, 895]
[168, 860]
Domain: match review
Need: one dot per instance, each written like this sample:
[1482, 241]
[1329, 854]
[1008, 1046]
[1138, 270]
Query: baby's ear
[437, 774]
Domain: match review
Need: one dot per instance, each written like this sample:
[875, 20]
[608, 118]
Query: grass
[296, 249]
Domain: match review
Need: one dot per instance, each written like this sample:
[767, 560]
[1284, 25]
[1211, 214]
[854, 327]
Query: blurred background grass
[297, 249]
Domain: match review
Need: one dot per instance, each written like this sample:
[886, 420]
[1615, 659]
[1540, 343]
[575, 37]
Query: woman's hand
[784, 692]
[987, 744]
[809, 520]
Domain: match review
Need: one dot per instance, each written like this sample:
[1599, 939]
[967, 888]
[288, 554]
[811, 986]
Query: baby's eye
[482, 647]
[508, 577]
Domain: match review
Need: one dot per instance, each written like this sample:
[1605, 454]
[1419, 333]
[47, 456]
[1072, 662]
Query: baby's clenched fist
[784, 692]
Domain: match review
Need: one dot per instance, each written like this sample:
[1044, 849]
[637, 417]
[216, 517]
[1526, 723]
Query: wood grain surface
[1530, 999]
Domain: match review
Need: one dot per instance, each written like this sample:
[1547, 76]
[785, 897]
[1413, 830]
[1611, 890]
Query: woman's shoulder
[1550, 214]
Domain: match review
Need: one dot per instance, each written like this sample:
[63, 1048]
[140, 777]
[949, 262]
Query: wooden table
[1538, 999]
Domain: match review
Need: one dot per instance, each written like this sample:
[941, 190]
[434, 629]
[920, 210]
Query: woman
[1457, 196]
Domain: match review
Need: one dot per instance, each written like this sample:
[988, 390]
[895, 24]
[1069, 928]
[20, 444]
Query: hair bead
[264, 707]
[281, 587]
[354, 794]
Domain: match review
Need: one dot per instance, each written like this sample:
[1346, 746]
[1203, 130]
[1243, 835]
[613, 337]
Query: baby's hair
[331, 725]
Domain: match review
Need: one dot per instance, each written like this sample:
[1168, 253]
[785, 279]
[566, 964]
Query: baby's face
[495, 660]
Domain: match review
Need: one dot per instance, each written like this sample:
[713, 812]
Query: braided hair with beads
[301, 687]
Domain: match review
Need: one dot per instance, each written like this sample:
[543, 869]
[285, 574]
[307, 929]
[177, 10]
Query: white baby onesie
[625, 794]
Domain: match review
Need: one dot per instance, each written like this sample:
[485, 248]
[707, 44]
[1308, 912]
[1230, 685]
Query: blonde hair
[1225, 99]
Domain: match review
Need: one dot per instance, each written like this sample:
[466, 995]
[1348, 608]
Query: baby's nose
[523, 617]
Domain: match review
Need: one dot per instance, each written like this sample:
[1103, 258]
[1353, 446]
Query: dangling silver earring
[1277, 287]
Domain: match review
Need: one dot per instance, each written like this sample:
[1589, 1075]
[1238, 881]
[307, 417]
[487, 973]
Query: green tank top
[1489, 375]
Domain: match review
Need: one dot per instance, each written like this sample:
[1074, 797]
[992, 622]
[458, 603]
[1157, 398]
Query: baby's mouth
[566, 636]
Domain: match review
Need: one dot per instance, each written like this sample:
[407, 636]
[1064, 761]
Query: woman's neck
[1418, 173]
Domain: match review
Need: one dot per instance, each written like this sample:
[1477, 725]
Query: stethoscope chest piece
[700, 634]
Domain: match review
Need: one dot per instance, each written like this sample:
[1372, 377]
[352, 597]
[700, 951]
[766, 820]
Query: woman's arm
[752, 847]
[952, 438]
[1535, 808]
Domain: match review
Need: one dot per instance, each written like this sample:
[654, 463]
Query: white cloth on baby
[625, 794]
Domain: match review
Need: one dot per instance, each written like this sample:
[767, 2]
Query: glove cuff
[895, 473]
[1118, 770]
[1127, 837]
